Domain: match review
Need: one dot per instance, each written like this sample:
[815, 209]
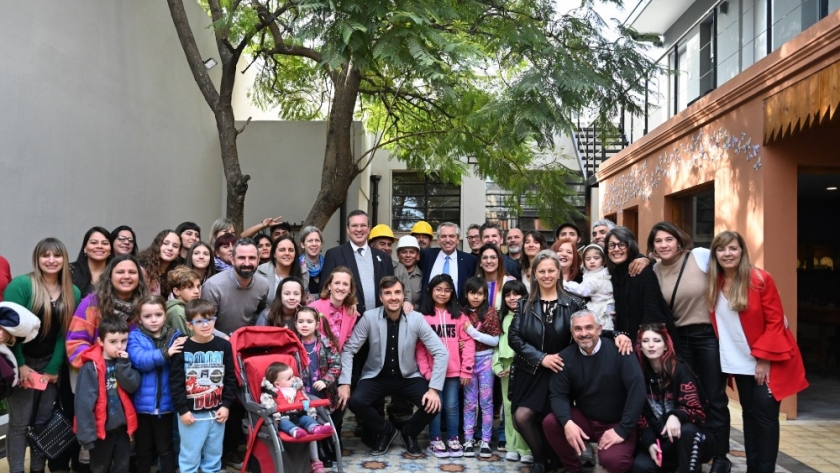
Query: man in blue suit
[447, 259]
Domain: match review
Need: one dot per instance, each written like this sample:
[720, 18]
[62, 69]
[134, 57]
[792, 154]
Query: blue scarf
[314, 269]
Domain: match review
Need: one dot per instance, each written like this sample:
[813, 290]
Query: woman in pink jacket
[440, 308]
[337, 305]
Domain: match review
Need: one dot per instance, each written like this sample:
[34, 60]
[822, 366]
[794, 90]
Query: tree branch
[187, 39]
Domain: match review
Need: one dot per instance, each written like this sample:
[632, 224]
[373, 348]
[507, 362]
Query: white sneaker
[512, 457]
[438, 449]
[469, 448]
[527, 459]
[484, 450]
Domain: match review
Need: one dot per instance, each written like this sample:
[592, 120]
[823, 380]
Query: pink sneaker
[322, 429]
[298, 433]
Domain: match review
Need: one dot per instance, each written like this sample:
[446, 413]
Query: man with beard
[239, 294]
[608, 392]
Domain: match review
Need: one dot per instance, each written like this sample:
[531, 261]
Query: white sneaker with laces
[512, 456]
[527, 459]
[469, 448]
[484, 450]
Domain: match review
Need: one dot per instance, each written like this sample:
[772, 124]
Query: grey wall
[101, 124]
[284, 160]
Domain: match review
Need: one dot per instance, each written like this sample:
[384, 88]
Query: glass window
[694, 212]
[791, 17]
[417, 196]
[728, 41]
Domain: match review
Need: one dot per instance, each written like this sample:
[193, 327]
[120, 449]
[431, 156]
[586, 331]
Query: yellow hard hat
[422, 228]
[381, 230]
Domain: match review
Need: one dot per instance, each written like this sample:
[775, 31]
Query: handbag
[54, 437]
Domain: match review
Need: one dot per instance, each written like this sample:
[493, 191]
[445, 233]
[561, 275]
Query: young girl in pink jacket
[440, 308]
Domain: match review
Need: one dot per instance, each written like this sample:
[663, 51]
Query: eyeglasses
[620, 245]
[474, 237]
[125, 239]
[489, 257]
[203, 321]
[443, 290]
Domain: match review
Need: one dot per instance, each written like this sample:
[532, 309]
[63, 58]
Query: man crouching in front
[391, 368]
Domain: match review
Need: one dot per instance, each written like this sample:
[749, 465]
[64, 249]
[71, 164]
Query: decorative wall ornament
[695, 154]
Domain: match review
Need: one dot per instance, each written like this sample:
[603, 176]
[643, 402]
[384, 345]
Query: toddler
[596, 285]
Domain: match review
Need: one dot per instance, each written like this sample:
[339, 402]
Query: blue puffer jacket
[146, 355]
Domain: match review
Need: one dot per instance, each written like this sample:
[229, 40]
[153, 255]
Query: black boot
[721, 465]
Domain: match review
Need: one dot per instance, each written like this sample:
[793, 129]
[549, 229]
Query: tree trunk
[339, 167]
[237, 183]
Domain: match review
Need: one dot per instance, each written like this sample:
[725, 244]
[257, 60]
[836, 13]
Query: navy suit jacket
[342, 255]
[466, 268]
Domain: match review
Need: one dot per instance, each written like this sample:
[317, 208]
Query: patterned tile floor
[806, 447]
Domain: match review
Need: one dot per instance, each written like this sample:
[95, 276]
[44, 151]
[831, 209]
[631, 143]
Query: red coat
[100, 412]
[763, 322]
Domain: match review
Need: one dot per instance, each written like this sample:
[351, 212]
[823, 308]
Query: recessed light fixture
[831, 188]
[210, 63]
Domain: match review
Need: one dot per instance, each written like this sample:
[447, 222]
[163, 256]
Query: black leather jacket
[527, 337]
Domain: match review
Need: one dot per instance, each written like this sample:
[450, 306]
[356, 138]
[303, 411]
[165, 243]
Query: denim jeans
[305, 422]
[761, 424]
[201, 443]
[449, 408]
[701, 352]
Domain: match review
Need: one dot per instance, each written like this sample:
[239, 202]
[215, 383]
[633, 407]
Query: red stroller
[255, 348]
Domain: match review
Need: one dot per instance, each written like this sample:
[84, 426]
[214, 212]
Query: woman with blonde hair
[49, 293]
[756, 348]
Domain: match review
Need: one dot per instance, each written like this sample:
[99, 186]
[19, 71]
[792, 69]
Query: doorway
[818, 297]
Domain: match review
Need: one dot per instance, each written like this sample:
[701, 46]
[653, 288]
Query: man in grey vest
[390, 368]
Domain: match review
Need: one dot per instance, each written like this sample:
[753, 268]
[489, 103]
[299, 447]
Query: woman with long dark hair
[672, 433]
[682, 274]
[158, 259]
[123, 241]
[49, 293]
[756, 348]
[532, 243]
[200, 258]
[284, 264]
[537, 335]
[93, 256]
[116, 294]
[491, 268]
[638, 299]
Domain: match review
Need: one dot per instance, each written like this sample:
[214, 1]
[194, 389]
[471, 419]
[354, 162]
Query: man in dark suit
[447, 259]
[367, 264]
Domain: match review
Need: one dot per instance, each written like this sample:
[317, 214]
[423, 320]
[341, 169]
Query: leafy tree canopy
[441, 81]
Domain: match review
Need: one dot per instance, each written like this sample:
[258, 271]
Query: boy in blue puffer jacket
[150, 348]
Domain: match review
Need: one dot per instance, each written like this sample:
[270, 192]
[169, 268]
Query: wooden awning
[805, 104]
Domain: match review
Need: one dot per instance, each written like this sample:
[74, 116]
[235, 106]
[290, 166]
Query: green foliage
[444, 81]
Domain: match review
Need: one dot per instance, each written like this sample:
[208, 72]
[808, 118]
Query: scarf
[123, 309]
[314, 269]
[221, 265]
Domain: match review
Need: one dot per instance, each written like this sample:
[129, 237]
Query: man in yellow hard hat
[382, 238]
[424, 234]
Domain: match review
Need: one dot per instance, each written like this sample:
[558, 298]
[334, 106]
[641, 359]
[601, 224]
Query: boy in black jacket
[203, 384]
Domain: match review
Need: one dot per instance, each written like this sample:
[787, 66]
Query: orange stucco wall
[720, 139]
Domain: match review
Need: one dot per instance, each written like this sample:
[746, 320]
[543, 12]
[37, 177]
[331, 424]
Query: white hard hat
[408, 241]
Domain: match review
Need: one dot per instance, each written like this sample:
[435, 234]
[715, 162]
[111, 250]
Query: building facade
[741, 138]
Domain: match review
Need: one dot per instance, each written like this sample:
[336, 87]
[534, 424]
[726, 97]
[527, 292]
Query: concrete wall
[284, 161]
[101, 124]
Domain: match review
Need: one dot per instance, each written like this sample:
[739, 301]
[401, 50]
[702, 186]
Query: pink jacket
[451, 332]
[348, 321]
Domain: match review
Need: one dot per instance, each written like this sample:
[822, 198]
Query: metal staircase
[594, 146]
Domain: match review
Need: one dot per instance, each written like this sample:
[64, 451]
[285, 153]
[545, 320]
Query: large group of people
[589, 352]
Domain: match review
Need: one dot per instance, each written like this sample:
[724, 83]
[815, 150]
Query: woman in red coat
[756, 348]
